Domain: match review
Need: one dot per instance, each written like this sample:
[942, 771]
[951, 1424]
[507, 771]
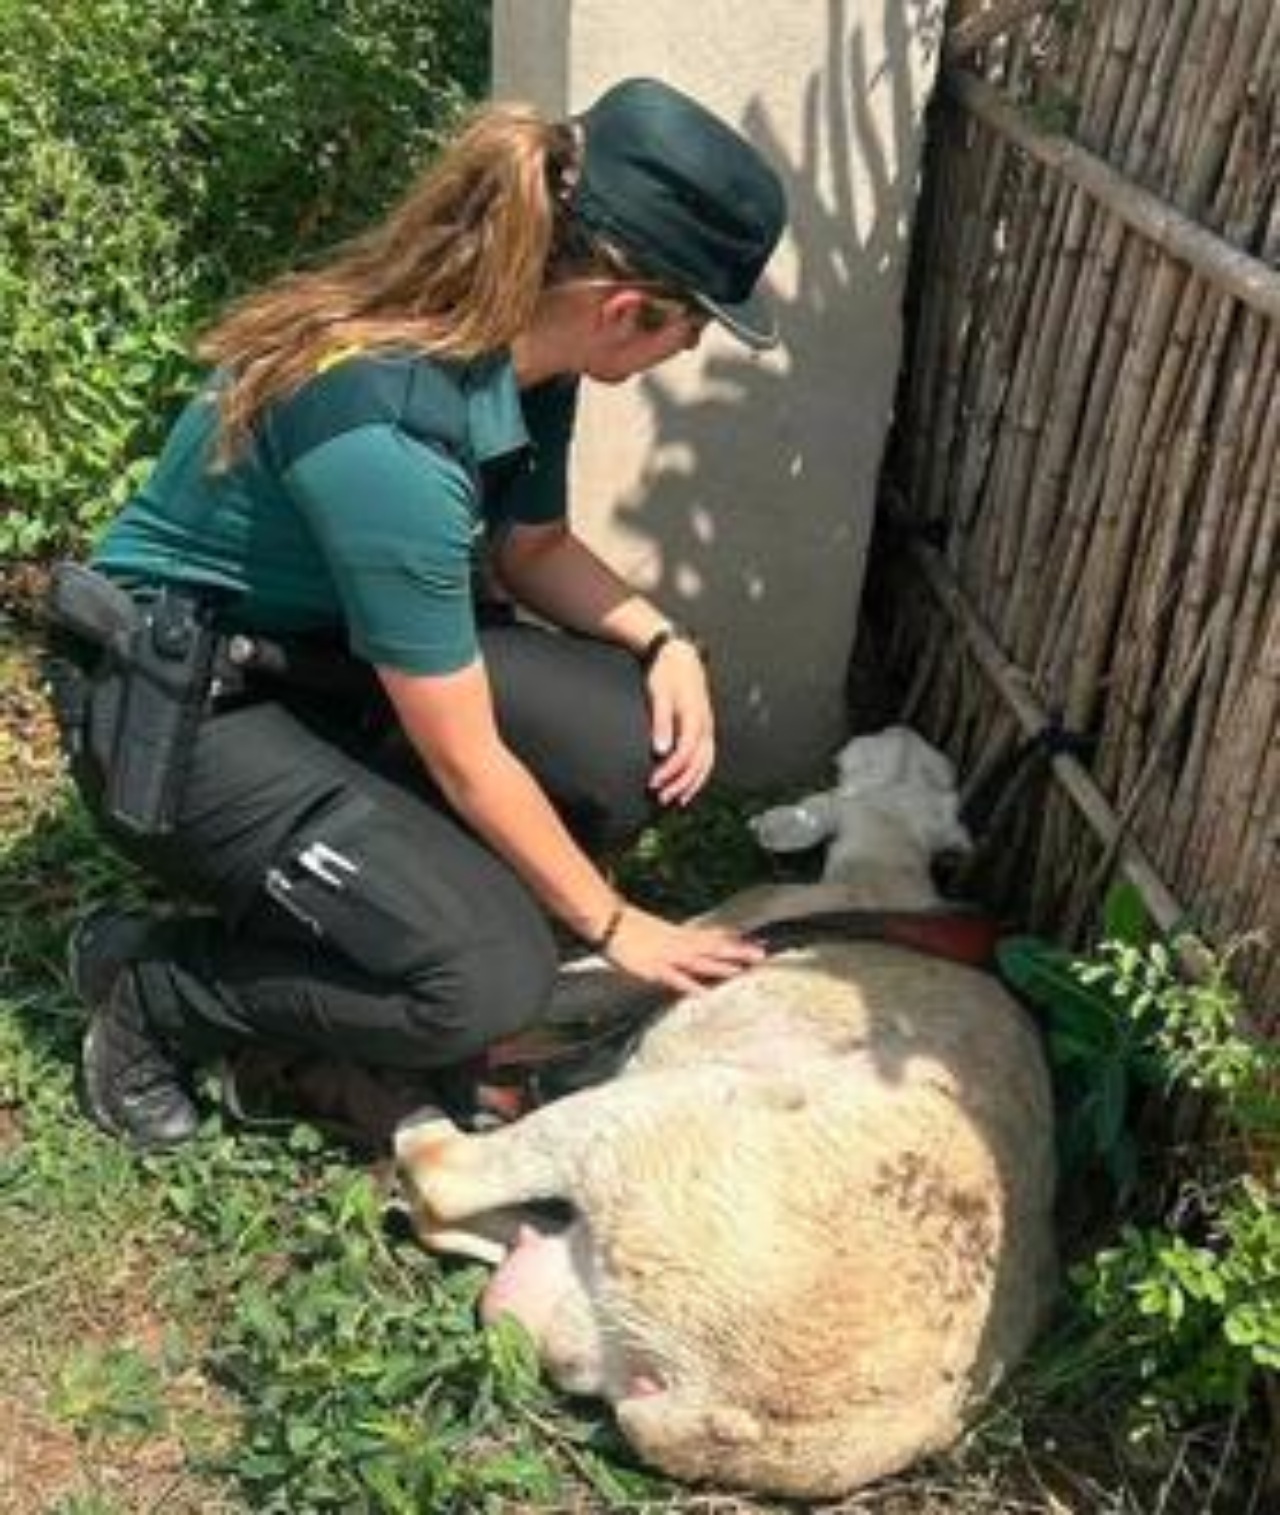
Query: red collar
[961, 936]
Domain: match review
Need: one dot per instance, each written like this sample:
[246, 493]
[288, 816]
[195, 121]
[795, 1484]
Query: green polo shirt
[361, 503]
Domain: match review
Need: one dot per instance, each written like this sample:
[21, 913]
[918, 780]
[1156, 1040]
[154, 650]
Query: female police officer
[372, 428]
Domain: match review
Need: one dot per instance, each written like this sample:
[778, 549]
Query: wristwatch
[652, 649]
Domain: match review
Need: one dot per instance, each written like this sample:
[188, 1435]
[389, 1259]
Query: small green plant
[1185, 1032]
[1129, 1018]
[1180, 1312]
[1199, 1319]
[693, 859]
[114, 1390]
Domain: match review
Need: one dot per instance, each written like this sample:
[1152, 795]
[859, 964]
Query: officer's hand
[681, 958]
[681, 723]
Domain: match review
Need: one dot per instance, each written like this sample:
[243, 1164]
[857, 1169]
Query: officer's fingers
[728, 946]
[683, 791]
[662, 727]
[713, 967]
[680, 787]
[717, 969]
[678, 979]
[682, 752]
[696, 784]
[684, 781]
[677, 763]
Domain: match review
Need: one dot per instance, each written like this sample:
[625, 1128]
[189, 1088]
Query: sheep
[807, 1227]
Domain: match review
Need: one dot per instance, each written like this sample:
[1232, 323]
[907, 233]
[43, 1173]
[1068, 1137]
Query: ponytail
[455, 271]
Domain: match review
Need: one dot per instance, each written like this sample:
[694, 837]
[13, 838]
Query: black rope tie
[995, 795]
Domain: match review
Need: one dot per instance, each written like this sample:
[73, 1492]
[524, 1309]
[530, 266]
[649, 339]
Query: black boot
[133, 1083]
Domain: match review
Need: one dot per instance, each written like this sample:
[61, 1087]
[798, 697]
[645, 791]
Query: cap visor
[752, 320]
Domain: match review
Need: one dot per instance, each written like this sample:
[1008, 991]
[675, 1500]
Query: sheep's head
[900, 776]
[894, 808]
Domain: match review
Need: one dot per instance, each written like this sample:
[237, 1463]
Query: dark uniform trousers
[357, 917]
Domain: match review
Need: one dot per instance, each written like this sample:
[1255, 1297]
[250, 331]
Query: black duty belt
[151, 666]
[250, 666]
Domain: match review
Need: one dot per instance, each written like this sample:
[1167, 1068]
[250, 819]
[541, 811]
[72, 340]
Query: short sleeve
[538, 493]
[395, 520]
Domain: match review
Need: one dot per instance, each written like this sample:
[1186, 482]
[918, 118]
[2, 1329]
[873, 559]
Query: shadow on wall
[756, 506]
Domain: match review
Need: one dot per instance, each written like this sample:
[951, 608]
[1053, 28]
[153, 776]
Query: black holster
[130, 682]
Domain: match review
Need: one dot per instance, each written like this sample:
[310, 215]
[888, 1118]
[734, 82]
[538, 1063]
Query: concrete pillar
[738, 490]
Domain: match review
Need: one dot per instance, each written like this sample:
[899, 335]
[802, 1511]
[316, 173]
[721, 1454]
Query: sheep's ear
[937, 770]
[793, 828]
[925, 762]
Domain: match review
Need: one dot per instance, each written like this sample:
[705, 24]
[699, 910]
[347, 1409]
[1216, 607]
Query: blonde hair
[454, 271]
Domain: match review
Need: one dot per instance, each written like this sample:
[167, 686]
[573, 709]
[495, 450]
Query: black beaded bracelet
[604, 941]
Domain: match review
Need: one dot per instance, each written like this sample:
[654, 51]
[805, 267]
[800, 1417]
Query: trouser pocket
[350, 875]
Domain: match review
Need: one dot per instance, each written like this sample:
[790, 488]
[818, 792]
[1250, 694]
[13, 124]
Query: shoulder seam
[368, 391]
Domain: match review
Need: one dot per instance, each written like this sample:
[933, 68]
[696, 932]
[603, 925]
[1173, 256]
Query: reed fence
[1086, 467]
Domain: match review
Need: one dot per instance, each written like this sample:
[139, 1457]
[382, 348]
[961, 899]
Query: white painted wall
[739, 489]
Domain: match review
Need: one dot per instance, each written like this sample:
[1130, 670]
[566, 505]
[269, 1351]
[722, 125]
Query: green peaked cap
[687, 197]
